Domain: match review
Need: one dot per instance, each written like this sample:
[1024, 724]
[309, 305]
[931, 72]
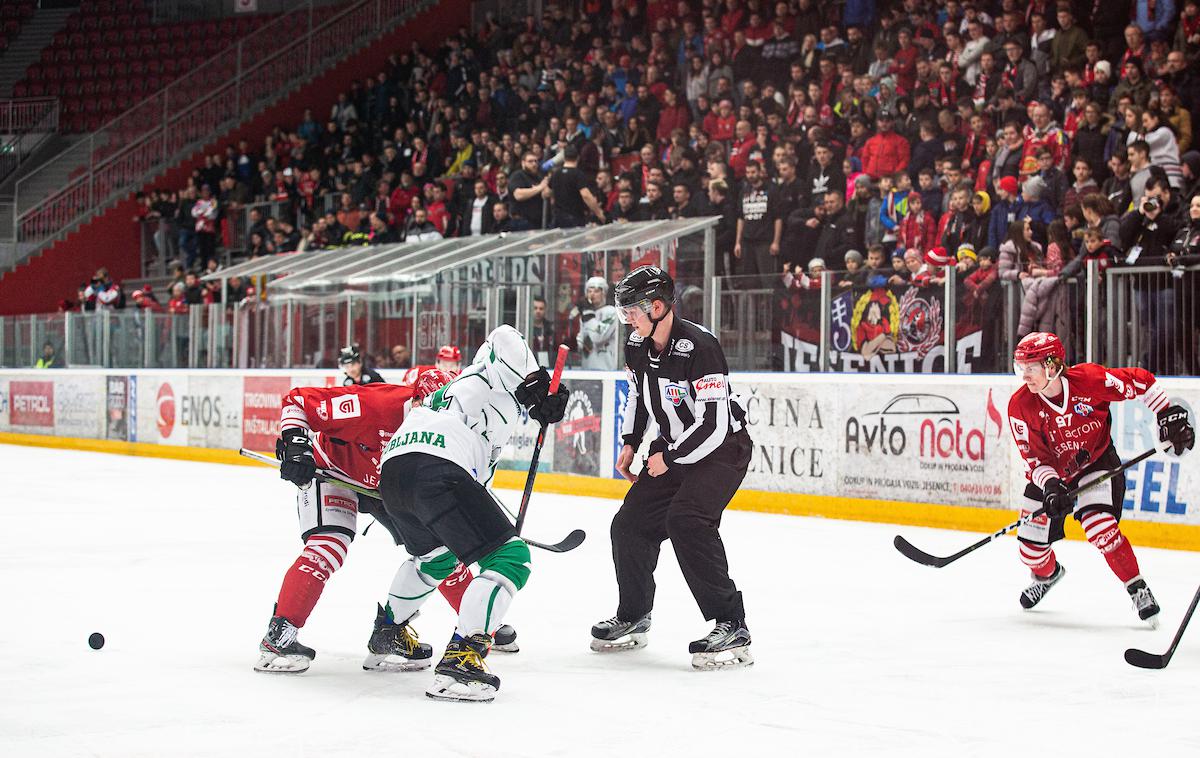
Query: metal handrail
[27, 122]
[169, 125]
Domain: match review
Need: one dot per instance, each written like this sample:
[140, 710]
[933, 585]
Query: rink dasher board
[927, 450]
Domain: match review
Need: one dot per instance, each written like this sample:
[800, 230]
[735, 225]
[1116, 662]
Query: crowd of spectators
[1015, 141]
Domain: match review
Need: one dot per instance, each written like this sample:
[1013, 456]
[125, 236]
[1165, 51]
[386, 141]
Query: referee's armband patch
[711, 387]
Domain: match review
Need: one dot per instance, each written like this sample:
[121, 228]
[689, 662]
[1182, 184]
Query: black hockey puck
[96, 641]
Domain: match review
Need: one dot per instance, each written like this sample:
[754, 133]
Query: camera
[1151, 204]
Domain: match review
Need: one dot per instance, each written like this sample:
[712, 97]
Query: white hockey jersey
[597, 340]
[469, 421]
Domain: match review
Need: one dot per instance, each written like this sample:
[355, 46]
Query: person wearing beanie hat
[1008, 184]
[966, 252]
[855, 275]
[1035, 206]
[937, 256]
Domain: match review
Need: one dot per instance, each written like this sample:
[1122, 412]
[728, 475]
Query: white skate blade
[734, 657]
[448, 688]
[621, 644]
[395, 663]
[270, 663]
[512, 647]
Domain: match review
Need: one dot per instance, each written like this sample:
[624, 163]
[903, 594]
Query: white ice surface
[859, 651]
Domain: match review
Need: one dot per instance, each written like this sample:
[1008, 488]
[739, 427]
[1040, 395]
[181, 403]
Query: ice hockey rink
[859, 652]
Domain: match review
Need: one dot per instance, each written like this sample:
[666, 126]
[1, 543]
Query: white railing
[199, 106]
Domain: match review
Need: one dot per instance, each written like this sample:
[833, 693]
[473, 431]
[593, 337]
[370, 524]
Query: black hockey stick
[907, 549]
[559, 362]
[1144, 660]
[570, 542]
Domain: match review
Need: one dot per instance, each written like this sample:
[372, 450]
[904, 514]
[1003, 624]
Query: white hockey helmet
[506, 358]
[596, 282]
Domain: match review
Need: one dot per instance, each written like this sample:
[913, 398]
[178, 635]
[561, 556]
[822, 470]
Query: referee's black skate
[505, 640]
[462, 674]
[1143, 601]
[1033, 594]
[614, 634]
[726, 646]
[280, 652]
[394, 647]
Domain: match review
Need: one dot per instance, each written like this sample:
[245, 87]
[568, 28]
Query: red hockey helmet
[449, 353]
[1038, 346]
[429, 382]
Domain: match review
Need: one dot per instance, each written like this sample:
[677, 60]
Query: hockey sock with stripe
[1039, 558]
[303, 583]
[415, 580]
[453, 586]
[1104, 532]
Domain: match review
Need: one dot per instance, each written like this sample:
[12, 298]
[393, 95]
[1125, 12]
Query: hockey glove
[534, 389]
[552, 409]
[1173, 427]
[298, 465]
[1055, 499]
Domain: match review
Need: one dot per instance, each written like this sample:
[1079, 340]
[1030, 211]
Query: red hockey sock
[305, 580]
[1103, 531]
[453, 586]
[1039, 558]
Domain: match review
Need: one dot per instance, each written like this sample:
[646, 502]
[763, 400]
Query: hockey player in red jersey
[342, 431]
[1061, 424]
[449, 359]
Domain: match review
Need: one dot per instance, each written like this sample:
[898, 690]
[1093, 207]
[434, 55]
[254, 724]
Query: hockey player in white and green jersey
[433, 478]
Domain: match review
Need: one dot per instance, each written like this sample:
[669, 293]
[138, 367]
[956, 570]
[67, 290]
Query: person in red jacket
[673, 115]
[886, 152]
[1061, 423]
[918, 229]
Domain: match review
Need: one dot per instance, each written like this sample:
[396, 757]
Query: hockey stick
[1144, 660]
[907, 549]
[559, 362]
[570, 542]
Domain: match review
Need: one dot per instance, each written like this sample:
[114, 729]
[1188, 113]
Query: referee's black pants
[685, 505]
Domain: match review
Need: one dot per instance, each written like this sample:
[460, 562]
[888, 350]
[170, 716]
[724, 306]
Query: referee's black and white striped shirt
[686, 388]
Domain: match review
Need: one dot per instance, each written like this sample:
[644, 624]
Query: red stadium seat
[128, 36]
[62, 55]
[162, 34]
[154, 66]
[37, 89]
[125, 21]
[20, 89]
[34, 72]
[145, 35]
[87, 87]
[112, 37]
[120, 69]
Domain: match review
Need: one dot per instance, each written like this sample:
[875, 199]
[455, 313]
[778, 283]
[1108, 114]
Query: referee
[678, 376]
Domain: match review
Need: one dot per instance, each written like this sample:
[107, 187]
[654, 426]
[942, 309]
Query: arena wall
[920, 450]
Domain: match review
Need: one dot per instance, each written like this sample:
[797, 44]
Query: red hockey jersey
[349, 426]
[1050, 432]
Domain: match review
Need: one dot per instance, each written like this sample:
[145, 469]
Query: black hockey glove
[534, 389]
[552, 409]
[297, 464]
[1173, 427]
[1055, 499]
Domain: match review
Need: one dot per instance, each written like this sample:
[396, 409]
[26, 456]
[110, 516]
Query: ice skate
[505, 640]
[614, 635]
[280, 652]
[726, 646]
[1033, 594]
[1143, 601]
[462, 675]
[394, 647]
